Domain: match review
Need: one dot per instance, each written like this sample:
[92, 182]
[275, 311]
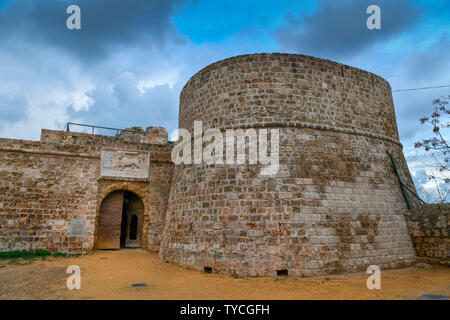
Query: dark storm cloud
[105, 25]
[12, 109]
[338, 28]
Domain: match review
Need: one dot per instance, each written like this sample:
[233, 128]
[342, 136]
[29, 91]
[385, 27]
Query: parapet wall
[429, 226]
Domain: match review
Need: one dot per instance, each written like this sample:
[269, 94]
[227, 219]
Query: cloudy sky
[129, 62]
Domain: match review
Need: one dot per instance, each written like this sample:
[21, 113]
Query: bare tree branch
[437, 145]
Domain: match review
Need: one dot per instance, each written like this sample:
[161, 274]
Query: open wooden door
[109, 221]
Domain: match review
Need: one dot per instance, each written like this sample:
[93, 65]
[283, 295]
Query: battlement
[152, 135]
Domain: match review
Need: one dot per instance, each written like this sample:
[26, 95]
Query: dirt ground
[110, 275]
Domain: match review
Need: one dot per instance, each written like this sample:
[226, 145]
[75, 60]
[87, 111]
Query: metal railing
[118, 131]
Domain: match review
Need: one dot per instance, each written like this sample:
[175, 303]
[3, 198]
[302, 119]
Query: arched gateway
[120, 221]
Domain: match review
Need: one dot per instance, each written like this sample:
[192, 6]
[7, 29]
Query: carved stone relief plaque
[119, 163]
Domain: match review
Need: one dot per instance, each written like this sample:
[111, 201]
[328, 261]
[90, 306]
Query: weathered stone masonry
[335, 204]
[45, 184]
[429, 226]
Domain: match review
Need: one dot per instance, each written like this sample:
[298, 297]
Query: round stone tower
[335, 204]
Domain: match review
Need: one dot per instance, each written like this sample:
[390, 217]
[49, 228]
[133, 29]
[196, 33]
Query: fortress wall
[45, 184]
[40, 193]
[325, 211]
[429, 226]
[335, 204]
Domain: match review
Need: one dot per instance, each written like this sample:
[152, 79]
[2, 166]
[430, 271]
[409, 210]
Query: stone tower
[335, 203]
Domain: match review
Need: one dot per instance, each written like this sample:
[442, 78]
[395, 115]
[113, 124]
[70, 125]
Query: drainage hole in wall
[207, 270]
[282, 272]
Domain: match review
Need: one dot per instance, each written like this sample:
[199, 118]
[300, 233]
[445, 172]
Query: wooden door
[109, 221]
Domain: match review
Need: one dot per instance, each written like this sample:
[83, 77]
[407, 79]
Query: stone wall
[429, 226]
[335, 204]
[45, 184]
[289, 90]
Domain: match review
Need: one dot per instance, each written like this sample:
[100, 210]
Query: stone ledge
[313, 126]
[124, 179]
[51, 153]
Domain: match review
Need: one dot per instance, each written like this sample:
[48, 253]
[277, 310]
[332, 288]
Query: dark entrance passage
[120, 221]
[133, 227]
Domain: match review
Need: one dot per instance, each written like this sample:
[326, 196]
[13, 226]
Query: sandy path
[109, 275]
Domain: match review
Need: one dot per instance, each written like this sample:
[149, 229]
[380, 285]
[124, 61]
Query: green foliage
[24, 254]
[42, 253]
[59, 255]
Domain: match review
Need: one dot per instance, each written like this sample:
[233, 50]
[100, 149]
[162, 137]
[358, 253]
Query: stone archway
[121, 215]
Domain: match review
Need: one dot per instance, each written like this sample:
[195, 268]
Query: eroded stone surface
[45, 184]
[429, 226]
[335, 204]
